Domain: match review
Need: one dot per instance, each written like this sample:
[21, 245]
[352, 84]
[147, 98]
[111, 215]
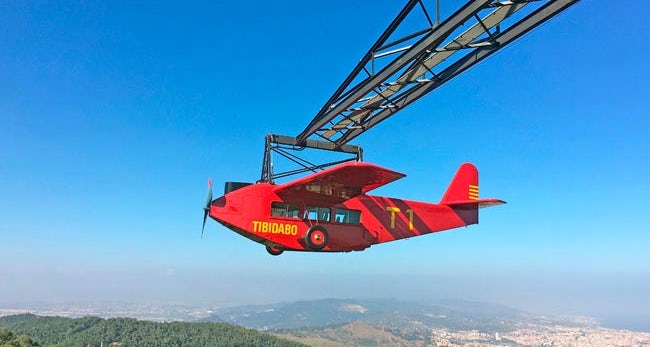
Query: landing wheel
[316, 237]
[274, 250]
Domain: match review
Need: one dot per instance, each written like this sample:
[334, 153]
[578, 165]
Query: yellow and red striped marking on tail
[473, 192]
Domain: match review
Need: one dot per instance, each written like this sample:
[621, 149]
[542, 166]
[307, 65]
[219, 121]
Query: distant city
[108, 309]
[341, 322]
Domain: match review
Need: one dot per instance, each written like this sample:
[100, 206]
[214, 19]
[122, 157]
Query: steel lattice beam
[423, 66]
[475, 56]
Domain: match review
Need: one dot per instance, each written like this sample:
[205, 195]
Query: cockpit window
[281, 209]
[343, 215]
[318, 213]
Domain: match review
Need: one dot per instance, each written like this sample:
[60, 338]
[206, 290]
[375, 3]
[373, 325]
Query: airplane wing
[337, 184]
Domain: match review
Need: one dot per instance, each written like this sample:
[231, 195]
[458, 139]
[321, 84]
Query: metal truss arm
[427, 60]
[360, 67]
[525, 25]
[335, 107]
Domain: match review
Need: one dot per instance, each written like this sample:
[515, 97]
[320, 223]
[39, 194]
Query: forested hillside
[8, 339]
[127, 332]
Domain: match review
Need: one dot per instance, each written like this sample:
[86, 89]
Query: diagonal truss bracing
[426, 59]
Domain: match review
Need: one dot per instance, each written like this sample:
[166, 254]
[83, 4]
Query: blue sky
[112, 117]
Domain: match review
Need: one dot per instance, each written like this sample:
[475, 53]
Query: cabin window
[343, 215]
[281, 209]
[318, 213]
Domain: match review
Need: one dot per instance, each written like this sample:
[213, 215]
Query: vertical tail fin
[462, 194]
[463, 187]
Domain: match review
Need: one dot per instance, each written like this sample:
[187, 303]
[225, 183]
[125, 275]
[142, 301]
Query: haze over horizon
[112, 118]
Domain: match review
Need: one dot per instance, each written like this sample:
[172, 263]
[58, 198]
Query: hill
[352, 334]
[128, 332]
[453, 315]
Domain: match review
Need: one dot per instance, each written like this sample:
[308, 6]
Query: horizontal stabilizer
[480, 203]
[463, 190]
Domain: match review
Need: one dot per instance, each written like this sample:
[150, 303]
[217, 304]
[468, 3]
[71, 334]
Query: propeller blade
[206, 208]
[205, 217]
[208, 198]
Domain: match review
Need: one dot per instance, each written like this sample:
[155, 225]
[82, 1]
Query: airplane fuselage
[257, 213]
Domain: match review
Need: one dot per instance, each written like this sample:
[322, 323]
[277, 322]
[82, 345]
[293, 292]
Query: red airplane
[329, 211]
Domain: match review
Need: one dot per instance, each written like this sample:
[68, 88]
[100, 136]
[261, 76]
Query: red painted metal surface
[330, 210]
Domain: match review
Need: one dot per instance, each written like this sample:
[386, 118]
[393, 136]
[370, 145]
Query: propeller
[206, 208]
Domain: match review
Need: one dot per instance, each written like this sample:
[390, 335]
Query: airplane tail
[462, 194]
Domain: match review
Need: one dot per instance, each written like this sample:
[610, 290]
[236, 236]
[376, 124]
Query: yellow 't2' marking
[392, 216]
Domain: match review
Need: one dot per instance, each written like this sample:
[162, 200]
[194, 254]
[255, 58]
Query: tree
[8, 339]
